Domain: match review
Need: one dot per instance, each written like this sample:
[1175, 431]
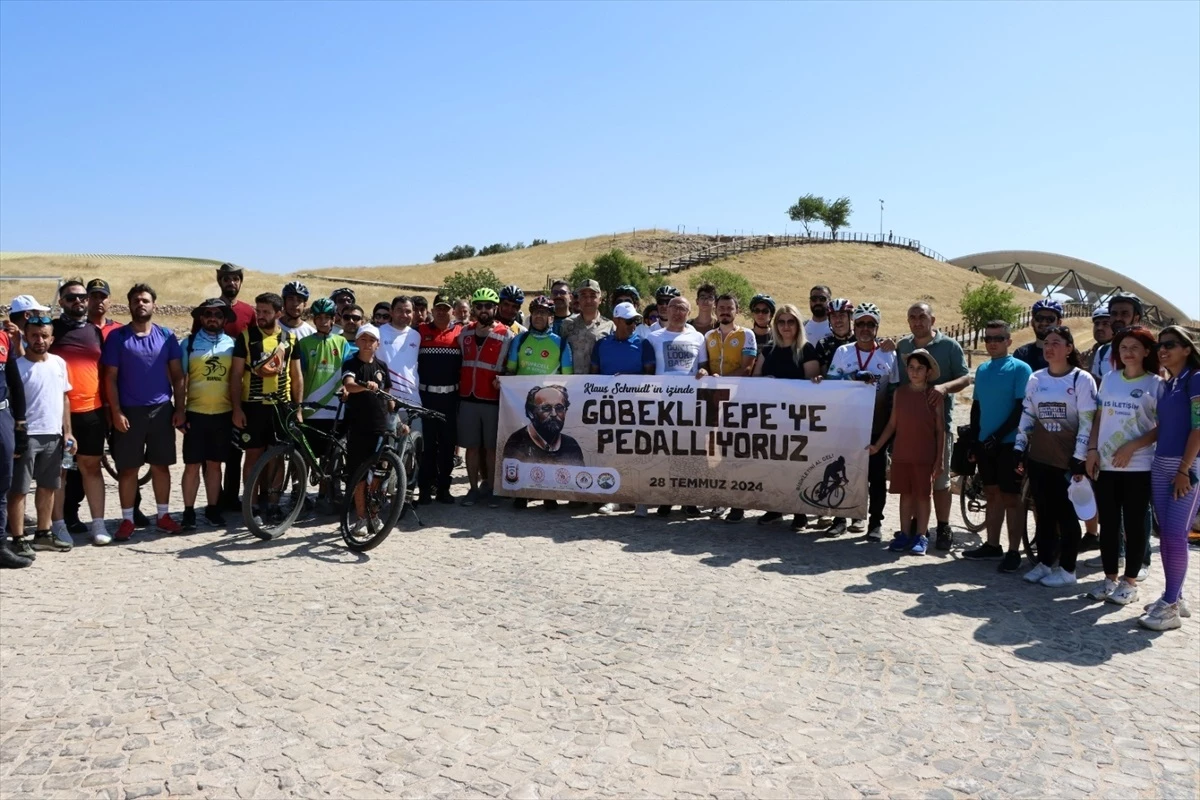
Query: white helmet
[868, 310]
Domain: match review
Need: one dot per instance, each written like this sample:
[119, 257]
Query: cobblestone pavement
[545, 654]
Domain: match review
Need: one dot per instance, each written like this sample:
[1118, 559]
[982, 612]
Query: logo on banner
[606, 480]
[562, 475]
[537, 475]
[583, 480]
[825, 488]
[512, 471]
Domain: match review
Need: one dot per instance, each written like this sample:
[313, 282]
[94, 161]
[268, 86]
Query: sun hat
[935, 372]
[214, 302]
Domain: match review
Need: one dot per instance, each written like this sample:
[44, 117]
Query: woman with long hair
[1173, 474]
[784, 357]
[1052, 443]
[1120, 455]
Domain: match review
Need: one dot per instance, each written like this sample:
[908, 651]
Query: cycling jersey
[726, 351]
[206, 362]
[268, 357]
[534, 353]
[321, 360]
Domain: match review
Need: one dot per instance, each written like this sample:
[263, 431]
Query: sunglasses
[212, 313]
[352, 318]
[818, 298]
[1049, 320]
[788, 322]
[74, 298]
[1169, 344]
[761, 310]
[382, 315]
[482, 306]
[995, 339]
[39, 320]
[866, 323]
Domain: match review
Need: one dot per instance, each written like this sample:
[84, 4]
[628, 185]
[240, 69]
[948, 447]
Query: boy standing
[366, 411]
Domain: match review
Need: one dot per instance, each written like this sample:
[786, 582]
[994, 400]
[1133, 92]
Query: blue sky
[286, 136]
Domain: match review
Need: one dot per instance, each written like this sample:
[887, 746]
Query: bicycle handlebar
[415, 410]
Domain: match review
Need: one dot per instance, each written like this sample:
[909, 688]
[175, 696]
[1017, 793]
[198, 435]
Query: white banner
[752, 443]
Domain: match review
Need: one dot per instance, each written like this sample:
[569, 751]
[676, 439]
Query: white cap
[1082, 497]
[367, 330]
[626, 311]
[25, 302]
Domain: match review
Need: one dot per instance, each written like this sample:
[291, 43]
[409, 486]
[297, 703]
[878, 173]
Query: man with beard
[265, 369]
[462, 311]
[295, 299]
[818, 327]
[484, 346]
[1097, 360]
[207, 362]
[229, 278]
[509, 310]
[80, 344]
[581, 331]
[542, 440]
[343, 298]
[840, 333]
[353, 317]
[1046, 314]
[732, 352]
[322, 355]
[143, 372]
[560, 294]
[439, 362]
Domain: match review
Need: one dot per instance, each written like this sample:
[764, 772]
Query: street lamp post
[881, 220]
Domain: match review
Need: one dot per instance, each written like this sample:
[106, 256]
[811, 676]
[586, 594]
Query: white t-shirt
[1057, 417]
[680, 353]
[1102, 361]
[1127, 410]
[848, 360]
[300, 331]
[816, 331]
[398, 349]
[46, 385]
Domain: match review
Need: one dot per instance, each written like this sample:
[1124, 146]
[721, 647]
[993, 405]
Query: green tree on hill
[456, 253]
[463, 284]
[986, 302]
[612, 269]
[807, 210]
[836, 215]
[727, 282]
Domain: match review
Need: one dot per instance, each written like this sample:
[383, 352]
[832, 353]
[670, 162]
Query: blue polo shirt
[1000, 387]
[628, 357]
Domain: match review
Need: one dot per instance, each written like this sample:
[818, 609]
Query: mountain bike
[381, 489]
[972, 503]
[276, 489]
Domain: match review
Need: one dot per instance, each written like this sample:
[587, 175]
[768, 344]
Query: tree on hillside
[456, 253]
[986, 302]
[836, 215]
[807, 210]
[464, 284]
[612, 269]
[727, 282]
[493, 249]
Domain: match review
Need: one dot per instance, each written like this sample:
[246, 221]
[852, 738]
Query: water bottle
[68, 461]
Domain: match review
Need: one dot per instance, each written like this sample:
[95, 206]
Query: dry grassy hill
[890, 277]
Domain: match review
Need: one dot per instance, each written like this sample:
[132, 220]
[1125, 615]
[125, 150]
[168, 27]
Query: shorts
[1000, 469]
[361, 447]
[208, 437]
[477, 424]
[149, 440]
[908, 478]
[942, 483]
[41, 463]
[264, 425]
[90, 430]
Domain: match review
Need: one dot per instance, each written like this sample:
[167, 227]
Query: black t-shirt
[778, 362]
[824, 350]
[367, 412]
[522, 447]
[1032, 355]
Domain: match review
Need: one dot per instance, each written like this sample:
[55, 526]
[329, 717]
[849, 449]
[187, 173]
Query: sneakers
[213, 516]
[800, 522]
[520, 503]
[76, 526]
[101, 537]
[919, 545]
[492, 500]
[640, 510]
[901, 542]
[718, 512]
[9, 559]
[168, 525]
[1103, 590]
[663, 511]
[984, 551]
[1161, 618]
[1125, 594]
[1089, 541]
[139, 519]
[549, 505]
[1058, 577]
[692, 511]
[857, 525]
[46, 540]
[837, 528]
[1184, 611]
[187, 521]
[945, 539]
[24, 548]
[735, 515]
[609, 508]
[471, 498]
[875, 533]
[125, 530]
[1036, 574]
[769, 517]
[1011, 562]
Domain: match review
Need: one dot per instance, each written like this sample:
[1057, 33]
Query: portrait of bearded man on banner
[542, 440]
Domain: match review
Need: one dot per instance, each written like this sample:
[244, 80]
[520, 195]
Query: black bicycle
[972, 503]
[276, 490]
[382, 489]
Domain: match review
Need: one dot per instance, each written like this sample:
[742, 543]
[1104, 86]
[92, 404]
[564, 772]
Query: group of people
[79, 381]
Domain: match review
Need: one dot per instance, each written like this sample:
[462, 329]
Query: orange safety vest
[481, 365]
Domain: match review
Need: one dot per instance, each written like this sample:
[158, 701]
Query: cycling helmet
[295, 288]
[342, 292]
[868, 310]
[1100, 312]
[840, 304]
[485, 295]
[1046, 304]
[541, 302]
[628, 291]
[1127, 297]
[663, 294]
[322, 305]
[512, 292]
[763, 298]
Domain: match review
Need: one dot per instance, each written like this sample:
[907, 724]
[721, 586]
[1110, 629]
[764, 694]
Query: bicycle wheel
[972, 502]
[1030, 539]
[410, 457]
[274, 492]
[107, 464]
[836, 495]
[381, 488]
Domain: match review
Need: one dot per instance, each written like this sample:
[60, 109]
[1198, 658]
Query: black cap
[345, 290]
[98, 285]
[443, 300]
[229, 269]
[215, 302]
